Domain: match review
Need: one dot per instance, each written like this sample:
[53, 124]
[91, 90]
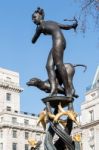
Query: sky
[20, 55]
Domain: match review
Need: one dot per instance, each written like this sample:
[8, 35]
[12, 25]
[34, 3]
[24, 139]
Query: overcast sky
[20, 55]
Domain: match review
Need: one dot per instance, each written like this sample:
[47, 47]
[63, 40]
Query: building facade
[16, 127]
[89, 118]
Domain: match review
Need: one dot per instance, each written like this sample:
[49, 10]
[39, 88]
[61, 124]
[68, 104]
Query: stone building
[89, 117]
[16, 127]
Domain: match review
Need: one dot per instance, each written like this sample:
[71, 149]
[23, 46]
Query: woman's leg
[58, 60]
[51, 73]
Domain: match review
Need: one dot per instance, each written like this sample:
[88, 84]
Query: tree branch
[89, 3]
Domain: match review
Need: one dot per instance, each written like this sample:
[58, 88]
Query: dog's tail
[77, 65]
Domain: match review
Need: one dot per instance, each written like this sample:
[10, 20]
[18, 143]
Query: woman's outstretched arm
[68, 27]
[36, 35]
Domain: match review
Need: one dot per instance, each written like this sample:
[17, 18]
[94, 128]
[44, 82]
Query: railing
[27, 113]
[10, 84]
[18, 112]
[20, 125]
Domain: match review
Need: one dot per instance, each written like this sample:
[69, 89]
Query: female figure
[55, 57]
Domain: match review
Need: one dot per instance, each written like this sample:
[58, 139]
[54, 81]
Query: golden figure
[71, 114]
[44, 115]
[34, 143]
[77, 138]
[42, 119]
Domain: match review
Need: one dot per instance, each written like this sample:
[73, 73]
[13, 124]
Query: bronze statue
[55, 57]
[60, 81]
[45, 85]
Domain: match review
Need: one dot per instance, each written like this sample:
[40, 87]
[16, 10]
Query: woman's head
[38, 15]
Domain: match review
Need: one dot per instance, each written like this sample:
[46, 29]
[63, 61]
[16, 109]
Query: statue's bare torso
[52, 28]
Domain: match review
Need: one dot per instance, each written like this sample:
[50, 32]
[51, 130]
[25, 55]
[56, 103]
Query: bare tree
[89, 14]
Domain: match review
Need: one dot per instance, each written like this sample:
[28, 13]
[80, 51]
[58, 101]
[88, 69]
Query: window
[26, 135]
[26, 122]
[81, 146]
[8, 96]
[91, 134]
[1, 119]
[14, 146]
[14, 134]
[91, 115]
[8, 108]
[93, 94]
[92, 147]
[16, 111]
[77, 145]
[1, 146]
[14, 120]
[1, 133]
[26, 147]
[8, 78]
[38, 136]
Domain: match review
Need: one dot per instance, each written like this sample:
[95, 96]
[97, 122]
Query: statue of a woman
[55, 57]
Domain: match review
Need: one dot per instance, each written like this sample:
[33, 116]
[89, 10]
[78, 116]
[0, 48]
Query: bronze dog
[45, 85]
